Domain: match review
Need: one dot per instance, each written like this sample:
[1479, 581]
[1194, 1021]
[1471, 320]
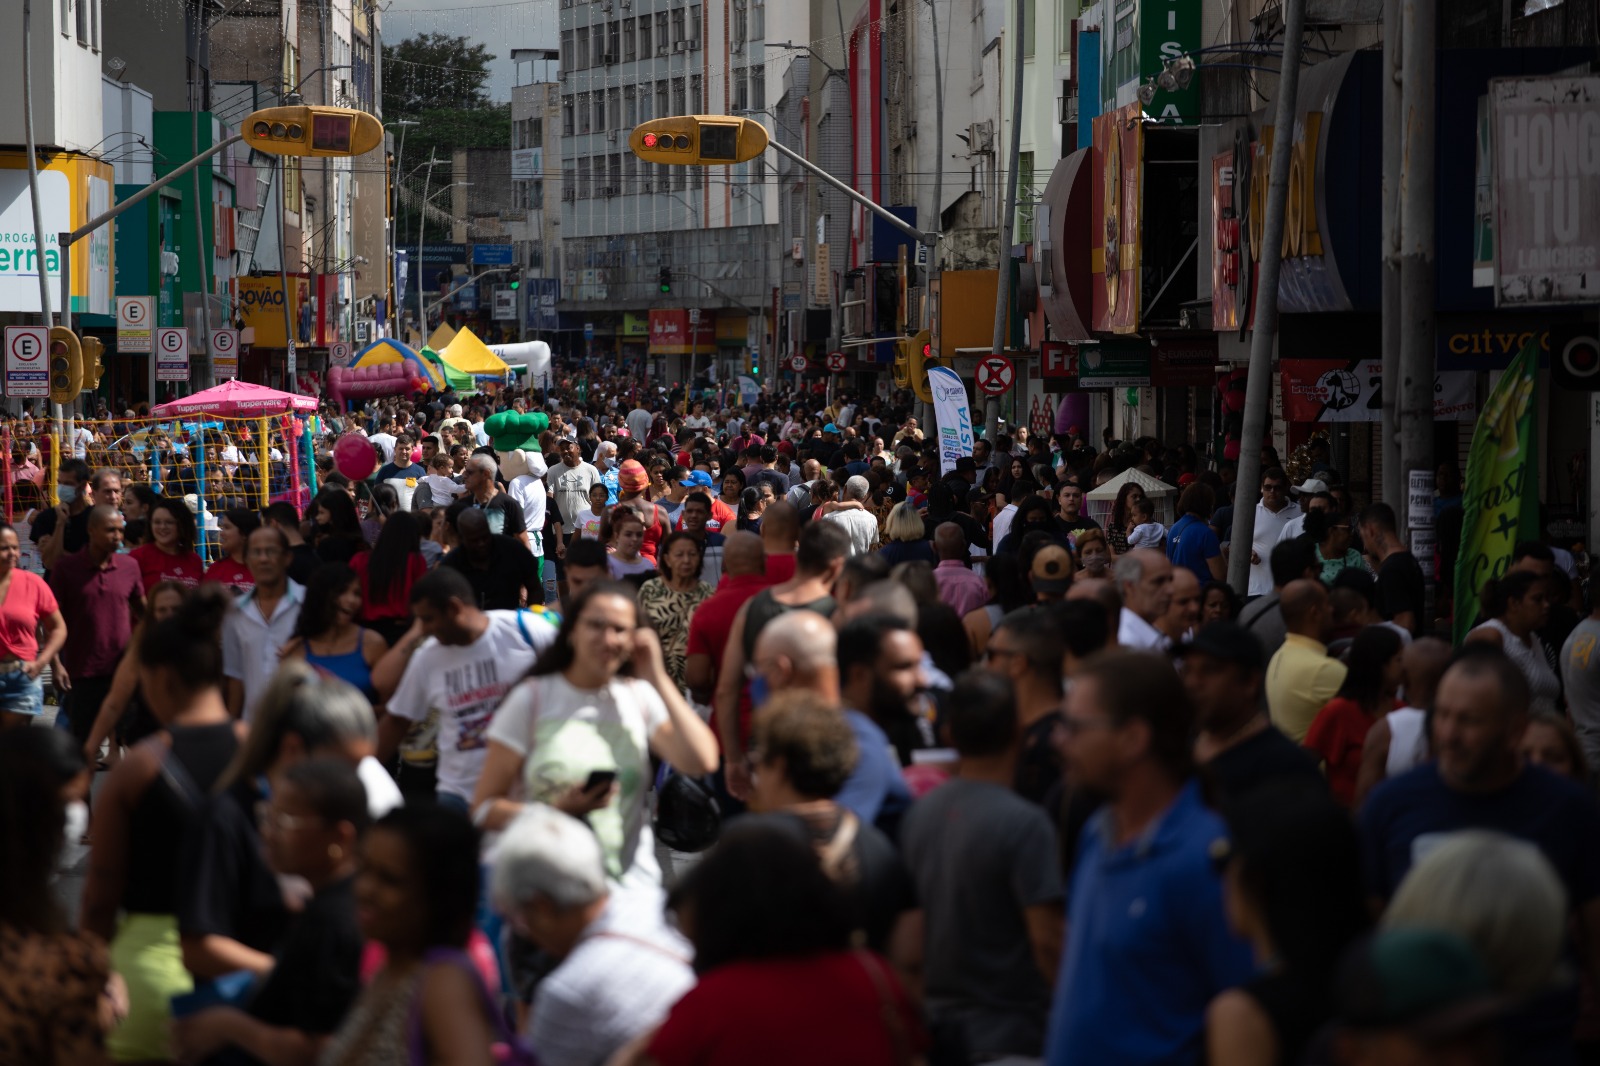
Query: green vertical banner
[1500, 505]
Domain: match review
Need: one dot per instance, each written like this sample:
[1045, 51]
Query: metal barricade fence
[211, 463]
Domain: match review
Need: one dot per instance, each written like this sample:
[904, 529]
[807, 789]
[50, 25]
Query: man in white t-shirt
[1274, 511]
[853, 515]
[460, 663]
[569, 482]
[697, 419]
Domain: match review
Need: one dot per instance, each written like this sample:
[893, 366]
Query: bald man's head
[743, 554]
[799, 649]
[949, 541]
[1305, 608]
[1422, 664]
[102, 515]
[780, 525]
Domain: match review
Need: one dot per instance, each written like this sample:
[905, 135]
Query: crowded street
[805, 533]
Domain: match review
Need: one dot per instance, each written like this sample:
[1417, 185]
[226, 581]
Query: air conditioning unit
[569, 194]
[608, 190]
[694, 44]
[663, 49]
[644, 188]
[680, 46]
[980, 135]
[609, 59]
[611, 135]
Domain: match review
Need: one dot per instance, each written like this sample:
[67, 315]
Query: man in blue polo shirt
[1148, 945]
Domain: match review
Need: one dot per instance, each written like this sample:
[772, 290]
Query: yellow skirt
[149, 957]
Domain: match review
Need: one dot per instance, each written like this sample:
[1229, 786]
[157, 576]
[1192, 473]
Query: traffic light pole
[920, 236]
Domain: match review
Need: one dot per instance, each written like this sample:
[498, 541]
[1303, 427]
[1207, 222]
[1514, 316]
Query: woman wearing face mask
[233, 533]
[27, 608]
[145, 811]
[53, 981]
[580, 731]
[169, 555]
[1094, 556]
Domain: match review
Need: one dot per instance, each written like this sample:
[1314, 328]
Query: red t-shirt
[789, 1012]
[234, 575]
[27, 601]
[712, 621]
[397, 604]
[1336, 736]
[780, 567]
[156, 566]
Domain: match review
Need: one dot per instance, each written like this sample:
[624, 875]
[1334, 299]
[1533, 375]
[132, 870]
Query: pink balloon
[354, 457]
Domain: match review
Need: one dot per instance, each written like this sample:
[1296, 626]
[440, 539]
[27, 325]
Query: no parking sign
[172, 353]
[27, 361]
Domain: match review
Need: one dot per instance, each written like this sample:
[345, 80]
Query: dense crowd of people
[607, 726]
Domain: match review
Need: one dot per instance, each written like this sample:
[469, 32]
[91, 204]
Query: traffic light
[665, 280]
[911, 364]
[93, 367]
[514, 278]
[317, 131]
[66, 365]
[698, 140]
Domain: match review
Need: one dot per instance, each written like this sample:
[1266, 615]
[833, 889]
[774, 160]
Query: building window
[630, 39]
[758, 88]
[630, 173]
[582, 55]
[741, 25]
[694, 22]
[677, 25]
[566, 50]
[661, 101]
[566, 118]
[741, 89]
[584, 185]
[614, 108]
[536, 133]
[662, 38]
[644, 37]
[696, 106]
[599, 39]
[1030, 25]
[599, 112]
[614, 170]
[679, 101]
[758, 20]
[613, 39]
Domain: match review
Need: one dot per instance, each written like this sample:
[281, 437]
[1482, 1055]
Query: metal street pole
[33, 188]
[1258, 390]
[935, 267]
[1417, 281]
[283, 274]
[394, 220]
[200, 249]
[422, 226]
[1394, 478]
[1002, 300]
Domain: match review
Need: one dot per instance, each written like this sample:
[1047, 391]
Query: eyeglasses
[1271, 486]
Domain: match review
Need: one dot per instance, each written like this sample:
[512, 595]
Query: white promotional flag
[952, 415]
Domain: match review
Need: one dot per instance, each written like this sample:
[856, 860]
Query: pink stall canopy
[237, 399]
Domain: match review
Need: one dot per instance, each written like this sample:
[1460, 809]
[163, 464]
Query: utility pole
[200, 248]
[1417, 282]
[935, 266]
[33, 195]
[1394, 477]
[422, 225]
[1002, 299]
[1258, 390]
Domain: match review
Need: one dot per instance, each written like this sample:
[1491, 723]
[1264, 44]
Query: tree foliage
[434, 71]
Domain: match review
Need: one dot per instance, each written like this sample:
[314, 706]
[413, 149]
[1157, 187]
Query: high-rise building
[644, 245]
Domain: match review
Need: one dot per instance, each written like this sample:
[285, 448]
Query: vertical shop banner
[952, 415]
[1547, 181]
[1119, 167]
[1500, 503]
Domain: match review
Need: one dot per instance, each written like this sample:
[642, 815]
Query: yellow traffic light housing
[314, 131]
[918, 353]
[66, 365]
[93, 367]
[698, 140]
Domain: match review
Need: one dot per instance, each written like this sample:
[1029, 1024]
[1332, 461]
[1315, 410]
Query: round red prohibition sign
[995, 375]
[836, 362]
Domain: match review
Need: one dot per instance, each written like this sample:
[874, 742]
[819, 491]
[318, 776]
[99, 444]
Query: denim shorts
[21, 694]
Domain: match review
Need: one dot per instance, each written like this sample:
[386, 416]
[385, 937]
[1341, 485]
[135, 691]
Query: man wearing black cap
[1223, 671]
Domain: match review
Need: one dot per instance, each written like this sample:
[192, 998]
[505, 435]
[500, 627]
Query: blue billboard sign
[494, 254]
